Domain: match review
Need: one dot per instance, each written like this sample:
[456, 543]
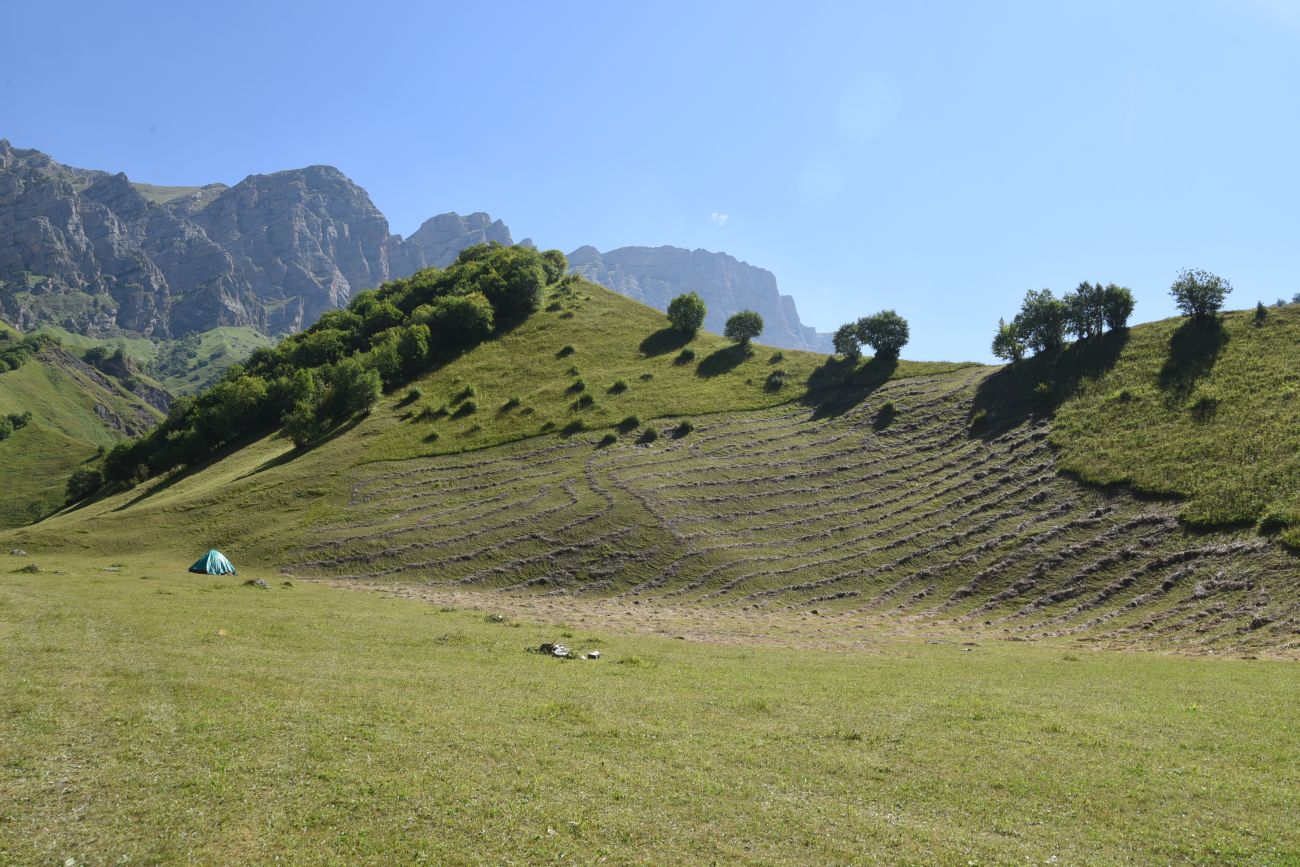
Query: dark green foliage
[565, 351]
[846, 341]
[686, 356]
[649, 435]
[743, 327]
[686, 313]
[979, 419]
[554, 264]
[1117, 305]
[1261, 313]
[585, 401]
[512, 402]
[313, 381]
[83, 483]
[469, 407]
[775, 381]
[1007, 343]
[1040, 324]
[1199, 294]
[607, 440]
[16, 351]
[629, 423]
[618, 387]
[886, 333]
[576, 386]
[1085, 310]
[885, 415]
[684, 428]
[464, 394]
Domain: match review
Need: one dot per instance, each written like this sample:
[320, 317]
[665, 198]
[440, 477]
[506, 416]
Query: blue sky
[938, 158]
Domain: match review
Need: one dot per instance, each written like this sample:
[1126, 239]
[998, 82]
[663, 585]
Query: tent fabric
[213, 563]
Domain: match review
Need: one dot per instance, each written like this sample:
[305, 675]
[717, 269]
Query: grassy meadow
[148, 716]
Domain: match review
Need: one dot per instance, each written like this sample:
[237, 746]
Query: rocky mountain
[99, 255]
[653, 275]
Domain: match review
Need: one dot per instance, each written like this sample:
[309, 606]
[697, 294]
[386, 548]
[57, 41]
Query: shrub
[683, 428]
[777, 358]
[886, 332]
[846, 341]
[585, 401]
[1007, 344]
[1117, 306]
[566, 351]
[469, 407]
[1040, 324]
[775, 381]
[607, 440]
[743, 327]
[577, 386]
[464, 394]
[1261, 313]
[1199, 294]
[979, 419]
[649, 435]
[83, 483]
[646, 377]
[686, 356]
[618, 387]
[629, 423]
[511, 402]
[686, 313]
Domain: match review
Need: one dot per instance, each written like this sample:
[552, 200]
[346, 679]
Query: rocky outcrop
[440, 238]
[85, 250]
[88, 251]
[654, 275]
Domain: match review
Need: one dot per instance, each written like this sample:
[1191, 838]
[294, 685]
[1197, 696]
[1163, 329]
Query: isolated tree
[886, 333]
[846, 341]
[1199, 294]
[743, 327]
[1041, 321]
[686, 313]
[1117, 306]
[1007, 344]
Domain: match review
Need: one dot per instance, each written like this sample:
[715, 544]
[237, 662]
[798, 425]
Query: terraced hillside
[854, 491]
[863, 513]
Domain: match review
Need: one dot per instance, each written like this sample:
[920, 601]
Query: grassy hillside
[181, 366]
[75, 410]
[1209, 413]
[148, 716]
[854, 491]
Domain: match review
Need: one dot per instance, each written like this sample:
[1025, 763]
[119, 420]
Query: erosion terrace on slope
[780, 509]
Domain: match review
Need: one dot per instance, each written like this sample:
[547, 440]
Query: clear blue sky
[936, 157]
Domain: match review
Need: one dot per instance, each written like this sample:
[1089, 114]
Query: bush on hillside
[846, 342]
[313, 381]
[686, 313]
[1007, 344]
[1199, 294]
[743, 327]
[1041, 322]
[885, 332]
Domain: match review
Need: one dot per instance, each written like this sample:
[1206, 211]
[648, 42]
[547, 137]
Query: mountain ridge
[98, 254]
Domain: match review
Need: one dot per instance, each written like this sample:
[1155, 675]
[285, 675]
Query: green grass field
[151, 716]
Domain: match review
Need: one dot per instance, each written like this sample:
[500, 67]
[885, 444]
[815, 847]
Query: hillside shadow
[1033, 388]
[663, 341]
[726, 359]
[1193, 349]
[840, 384]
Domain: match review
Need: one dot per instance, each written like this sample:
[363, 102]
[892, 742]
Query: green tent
[213, 563]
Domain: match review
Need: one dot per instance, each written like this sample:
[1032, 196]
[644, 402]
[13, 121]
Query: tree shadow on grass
[842, 383]
[1193, 349]
[1033, 388]
[663, 341]
[725, 359]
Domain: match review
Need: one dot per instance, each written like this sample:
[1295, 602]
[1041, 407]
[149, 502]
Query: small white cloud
[720, 219]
